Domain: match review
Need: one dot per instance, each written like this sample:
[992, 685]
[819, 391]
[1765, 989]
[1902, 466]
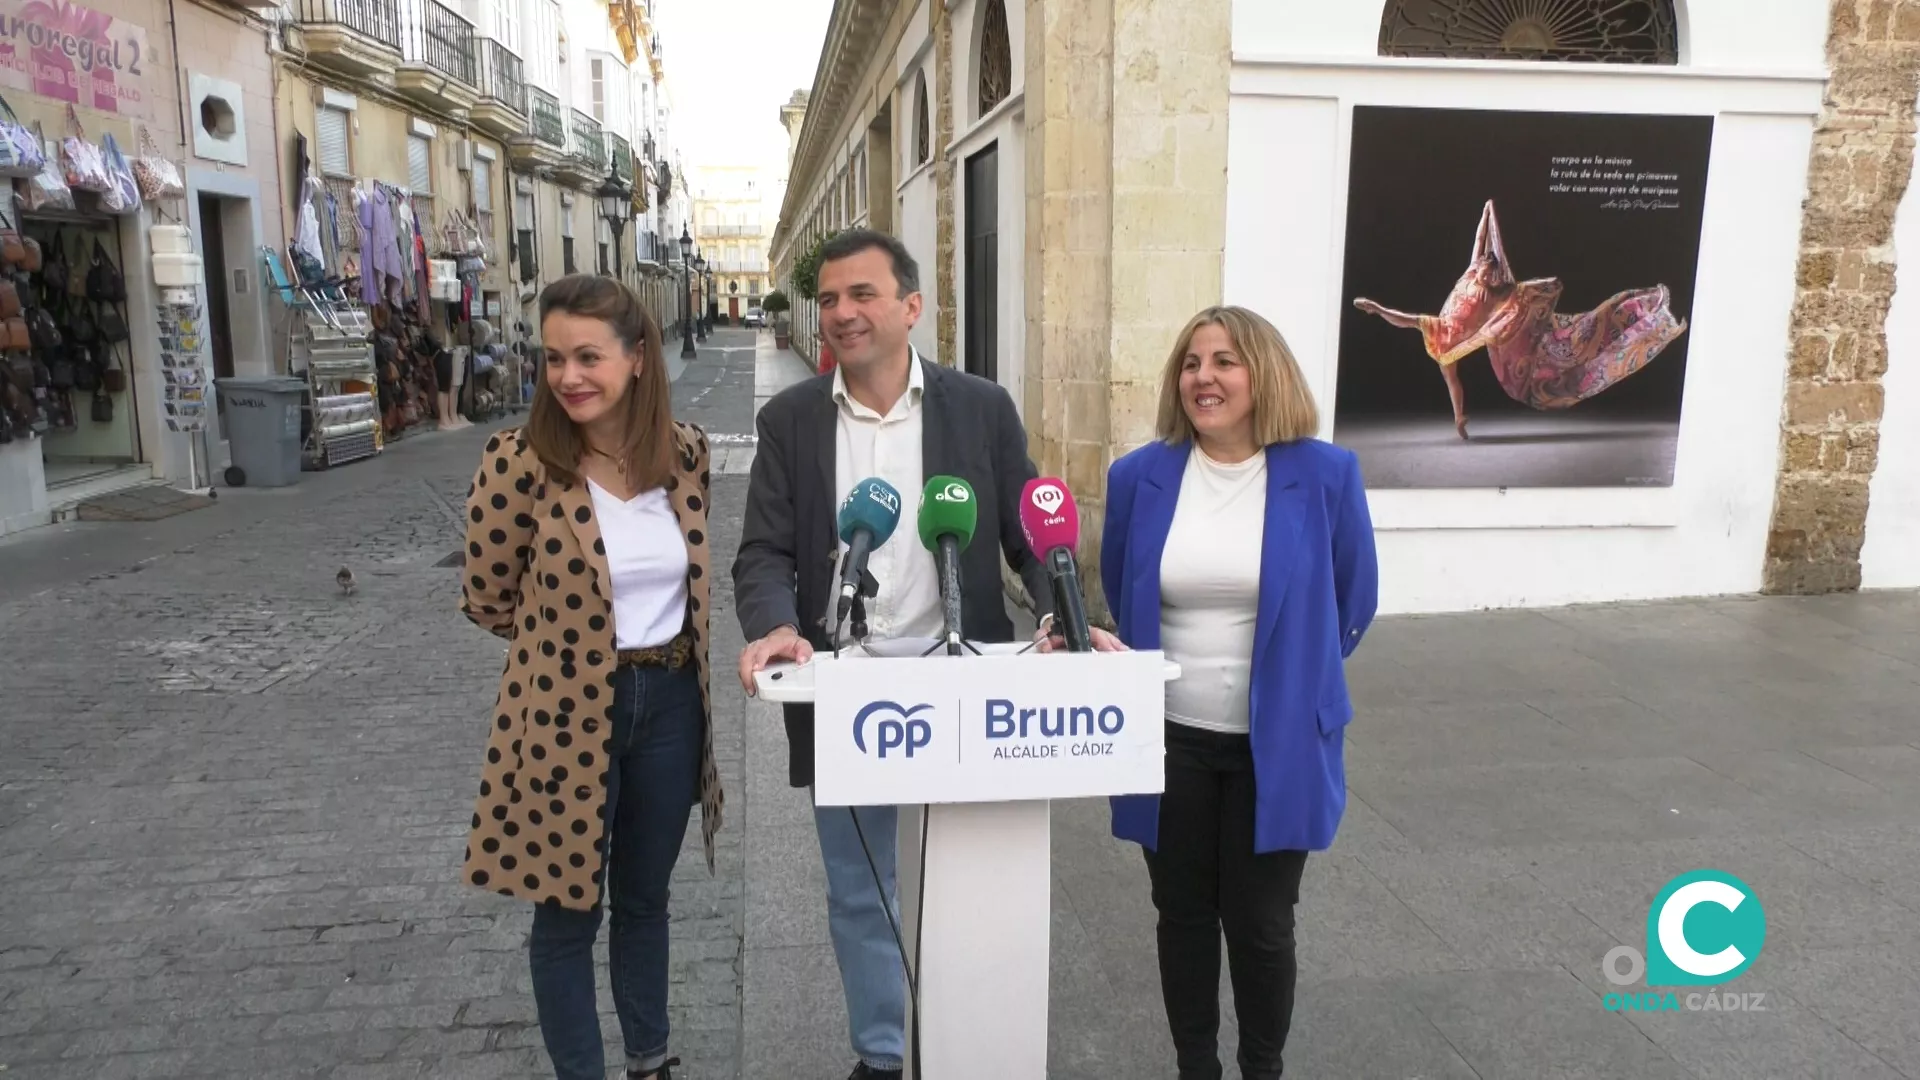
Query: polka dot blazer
[534, 575]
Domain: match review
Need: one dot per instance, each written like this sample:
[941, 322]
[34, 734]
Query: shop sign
[75, 54]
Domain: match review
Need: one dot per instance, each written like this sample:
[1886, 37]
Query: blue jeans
[651, 787]
[871, 974]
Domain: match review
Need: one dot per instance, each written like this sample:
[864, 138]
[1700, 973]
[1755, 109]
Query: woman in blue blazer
[1240, 546]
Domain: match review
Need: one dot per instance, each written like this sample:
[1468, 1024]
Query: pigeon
[345, 578]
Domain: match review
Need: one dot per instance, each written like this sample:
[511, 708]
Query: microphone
[948, 514]
[1051, 523]
[867, 518]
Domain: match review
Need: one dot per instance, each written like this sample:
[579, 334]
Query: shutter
[420, 165]
[482, 185]
[331, 125]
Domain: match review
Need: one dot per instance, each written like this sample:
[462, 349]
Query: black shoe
[864, 1071]
[664, 1072]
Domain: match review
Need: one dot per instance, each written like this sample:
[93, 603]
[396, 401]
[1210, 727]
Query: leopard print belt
[673, 655]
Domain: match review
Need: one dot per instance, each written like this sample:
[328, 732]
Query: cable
[913, 985]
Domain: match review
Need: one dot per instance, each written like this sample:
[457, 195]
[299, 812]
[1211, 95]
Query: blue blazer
[1319, 585]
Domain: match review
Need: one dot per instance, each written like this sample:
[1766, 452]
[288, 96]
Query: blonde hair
[1283, 407]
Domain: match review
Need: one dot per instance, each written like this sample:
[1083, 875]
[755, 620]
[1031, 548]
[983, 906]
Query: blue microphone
[867, 519]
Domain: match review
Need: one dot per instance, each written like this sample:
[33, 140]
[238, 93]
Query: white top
[647, 559]
[889, 447]
[1210, 590]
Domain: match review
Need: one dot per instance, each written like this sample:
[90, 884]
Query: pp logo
[904, 730]
[1705, 927]
[957, 493]
[885, 496]
[1048, 498]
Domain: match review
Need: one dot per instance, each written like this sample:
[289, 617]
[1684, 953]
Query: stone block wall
[1830, 419]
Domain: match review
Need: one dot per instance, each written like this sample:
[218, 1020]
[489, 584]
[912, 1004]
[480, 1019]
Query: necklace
[619, 463]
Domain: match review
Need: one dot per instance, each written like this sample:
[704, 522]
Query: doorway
[983, 263]
[213, 248]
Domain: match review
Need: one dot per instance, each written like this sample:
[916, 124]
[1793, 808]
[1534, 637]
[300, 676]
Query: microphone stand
[952, 639]
[857, 611]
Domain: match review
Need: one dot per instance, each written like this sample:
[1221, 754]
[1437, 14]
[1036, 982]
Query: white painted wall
[1300, 68]
[1891, 559]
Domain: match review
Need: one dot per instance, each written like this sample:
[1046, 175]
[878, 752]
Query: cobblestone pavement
[233, 801]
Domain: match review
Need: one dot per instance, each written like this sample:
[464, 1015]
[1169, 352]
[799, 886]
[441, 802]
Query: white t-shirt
[647, 559]
[1210, 590]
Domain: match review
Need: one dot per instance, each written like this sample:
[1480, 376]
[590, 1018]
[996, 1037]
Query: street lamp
[700, 316]
[614, 200]
[687, 351]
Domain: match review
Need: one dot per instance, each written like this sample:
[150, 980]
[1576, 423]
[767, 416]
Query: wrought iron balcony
[589, 142]
[358, 37]
[500, 76]
[622, 159]
[440, 39]
[545, 119]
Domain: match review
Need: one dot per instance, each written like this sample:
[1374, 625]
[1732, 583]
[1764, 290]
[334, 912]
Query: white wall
[1891, 559]
[1300, 68]
[914, 220]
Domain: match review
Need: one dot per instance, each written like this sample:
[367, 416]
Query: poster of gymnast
[1517, 295]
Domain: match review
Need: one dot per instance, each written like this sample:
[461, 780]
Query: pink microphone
[1051, 523]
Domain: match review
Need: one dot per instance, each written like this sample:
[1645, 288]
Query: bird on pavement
[345, 578]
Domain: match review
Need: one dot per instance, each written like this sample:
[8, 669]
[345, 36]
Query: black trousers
[1206, 879]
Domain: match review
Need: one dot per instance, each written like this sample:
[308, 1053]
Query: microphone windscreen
[1048, 516]
[874, 505]
[947, 508]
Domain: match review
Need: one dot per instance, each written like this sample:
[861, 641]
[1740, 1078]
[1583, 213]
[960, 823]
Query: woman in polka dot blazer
[587, 551]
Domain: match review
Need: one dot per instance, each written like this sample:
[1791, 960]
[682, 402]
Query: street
[233, 803]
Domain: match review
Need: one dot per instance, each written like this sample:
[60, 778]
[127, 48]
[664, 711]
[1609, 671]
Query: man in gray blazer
[886, 412]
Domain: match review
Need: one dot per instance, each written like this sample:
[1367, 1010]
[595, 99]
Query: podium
[979, 744]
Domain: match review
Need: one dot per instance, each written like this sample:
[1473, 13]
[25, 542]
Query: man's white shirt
[889, 447]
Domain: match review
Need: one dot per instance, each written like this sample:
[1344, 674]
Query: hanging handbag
[78, 326]
[86, 371]
[122, 197]
[59, 370]
[21, 154]
[113, 326]
[102, 407]
[42, 330]
[158, 177]
[53, 276]
[35, 257]
[82, 165]
[14, 335]
[12, 252]
[104, 282]
[113, 377]
[9, 300]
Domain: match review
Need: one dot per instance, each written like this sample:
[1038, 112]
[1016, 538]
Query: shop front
[83, 409]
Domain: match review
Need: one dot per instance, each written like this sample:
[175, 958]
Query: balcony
[356, 38]
[732, 230]
[585, 165]
[542, 144]
[437, 58]
[502, 109]
[737, 266]
[622, 157]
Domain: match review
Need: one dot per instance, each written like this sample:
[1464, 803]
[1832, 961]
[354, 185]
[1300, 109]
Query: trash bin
[262, 425]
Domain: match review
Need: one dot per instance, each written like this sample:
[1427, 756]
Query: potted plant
[776, 305]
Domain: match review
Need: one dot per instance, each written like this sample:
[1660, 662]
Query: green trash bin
[261, 418]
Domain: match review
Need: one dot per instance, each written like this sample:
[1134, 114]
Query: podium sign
[996, 728]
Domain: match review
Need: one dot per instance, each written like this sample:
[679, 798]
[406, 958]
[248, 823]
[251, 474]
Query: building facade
[1701, 209]
[733, 210]
[89, 414]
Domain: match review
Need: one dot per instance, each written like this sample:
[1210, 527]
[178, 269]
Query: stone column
[1830, 423]
[946, 292]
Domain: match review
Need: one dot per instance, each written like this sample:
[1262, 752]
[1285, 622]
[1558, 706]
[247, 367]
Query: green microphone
[948, 513]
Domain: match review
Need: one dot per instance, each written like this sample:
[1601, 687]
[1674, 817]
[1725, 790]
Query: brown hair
[647, 405]
[1283, 408]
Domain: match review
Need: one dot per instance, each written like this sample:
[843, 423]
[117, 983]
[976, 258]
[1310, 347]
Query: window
[598, 80]
[996, 57]
[334, 142]
[1580, 31]
[567, 263]
[482, 185]
[543, 54]
[922, 138]
[860, 182]
[523, 235]
[420, 164]
[506, 23]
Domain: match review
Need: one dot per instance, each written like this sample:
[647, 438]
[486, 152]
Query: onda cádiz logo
[897, 728]
[955, 493]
